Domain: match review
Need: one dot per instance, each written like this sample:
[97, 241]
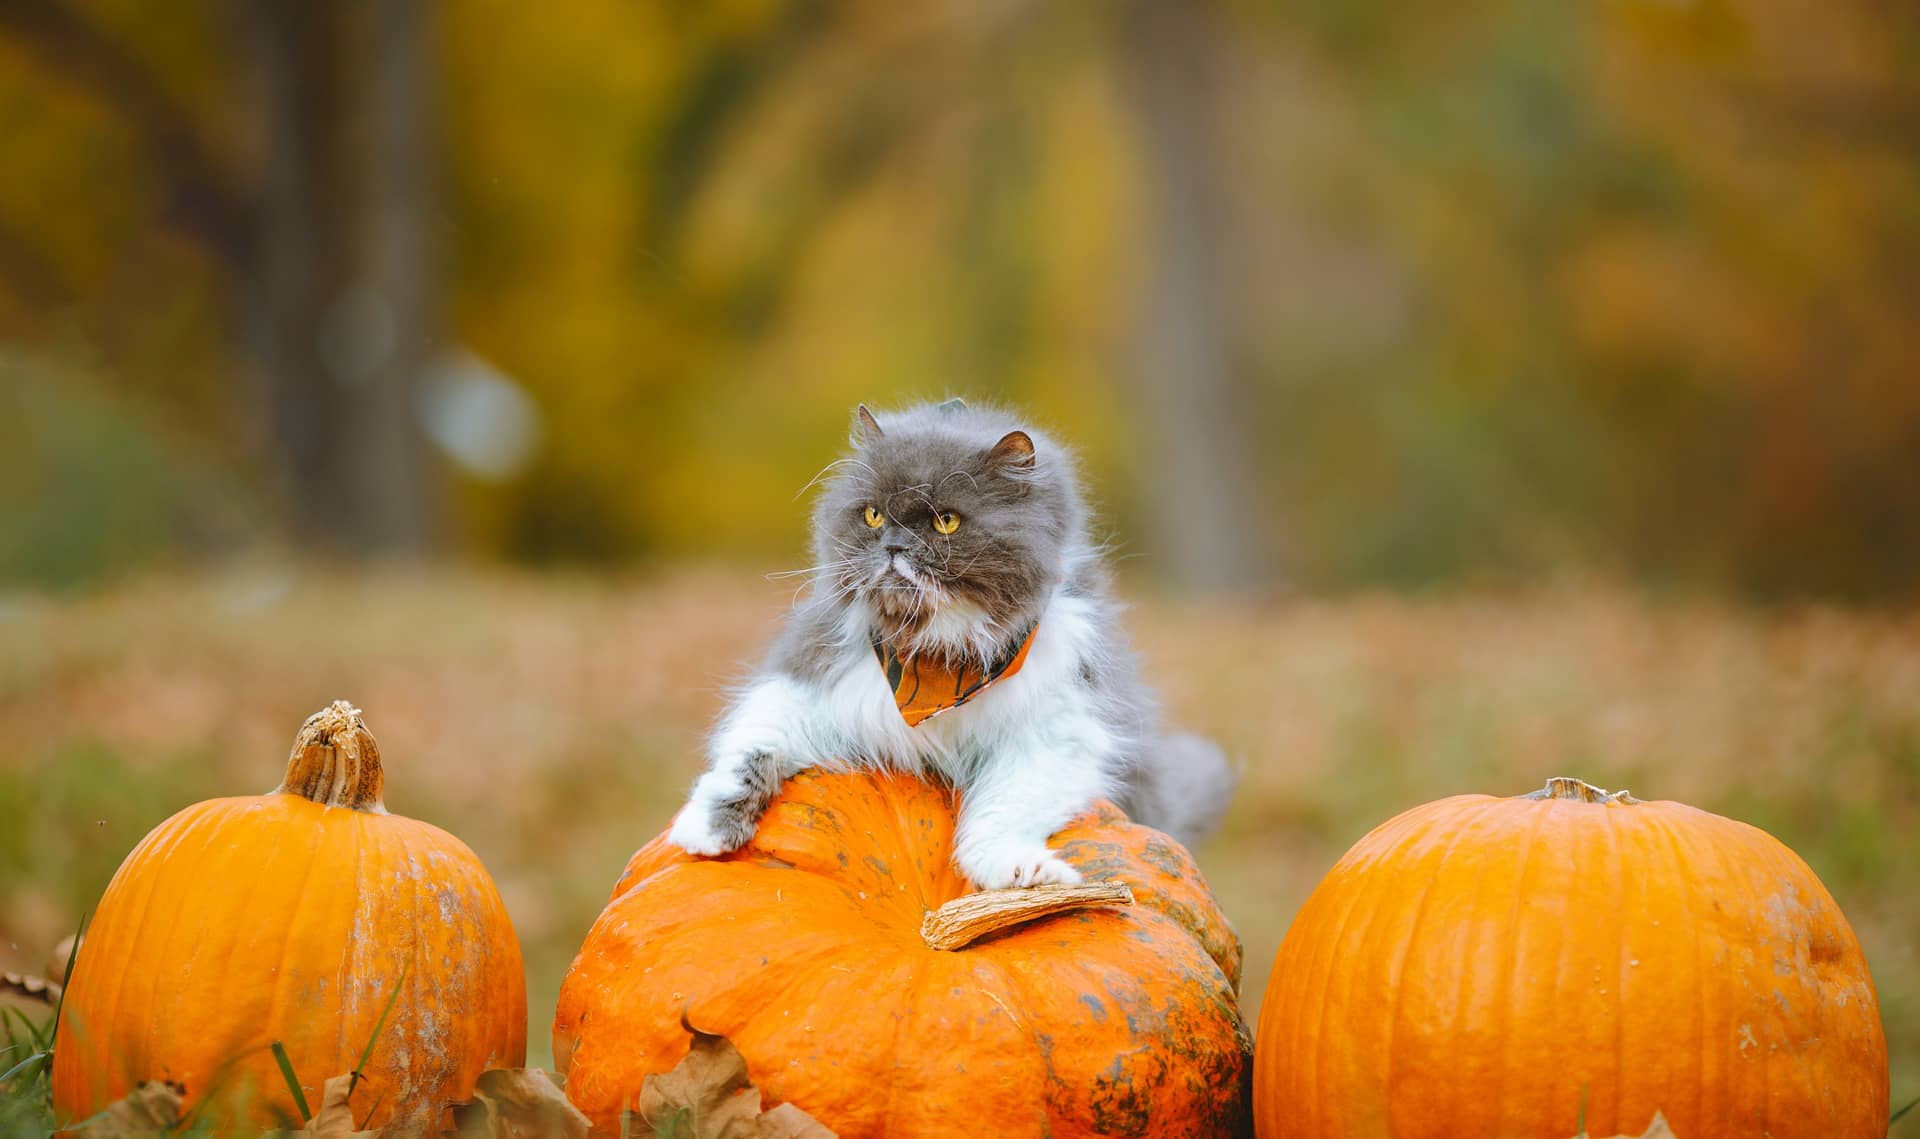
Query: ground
[554, 724]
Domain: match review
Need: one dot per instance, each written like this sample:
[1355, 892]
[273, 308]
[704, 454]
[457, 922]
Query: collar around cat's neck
[925, 684]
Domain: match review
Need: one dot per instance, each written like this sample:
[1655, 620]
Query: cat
[958, 625]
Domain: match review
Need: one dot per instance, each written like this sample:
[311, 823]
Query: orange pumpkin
[805, 949]
[292, 917]
[1485, 966]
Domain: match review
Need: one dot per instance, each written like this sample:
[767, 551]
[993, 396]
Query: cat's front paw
[1002, 865]
[720, 816]
[709, 829]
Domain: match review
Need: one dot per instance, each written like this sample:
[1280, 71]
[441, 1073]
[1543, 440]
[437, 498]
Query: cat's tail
[1183, 788]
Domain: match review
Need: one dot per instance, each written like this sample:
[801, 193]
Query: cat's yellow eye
[946, 522]
[875, 519]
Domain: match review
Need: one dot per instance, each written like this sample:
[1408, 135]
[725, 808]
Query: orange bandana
[922, 689]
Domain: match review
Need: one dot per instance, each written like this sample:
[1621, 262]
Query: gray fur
[736, 817]
[1023, 534]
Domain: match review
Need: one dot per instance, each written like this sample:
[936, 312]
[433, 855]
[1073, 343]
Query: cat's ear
[1014, 451]
[866, 428]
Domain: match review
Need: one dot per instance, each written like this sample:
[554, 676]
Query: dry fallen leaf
[333, 1119]
[1657, 1129]
[789, 1122]
[153, 1106]
[518, 1103]
[705, 1084]
[32, 987]
[56, 967]
[709, 1096]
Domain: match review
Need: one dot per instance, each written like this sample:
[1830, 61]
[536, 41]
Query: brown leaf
[789, 1122]
[709, 1096]
[333, 1119]
[1657, 1129]
[32, 987]
[152, 1107]
[712, 1074]
[56, 966]
[518, 1103]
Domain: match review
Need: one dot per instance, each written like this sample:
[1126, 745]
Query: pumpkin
[296, 917]
[1498, 967]
[806, 949]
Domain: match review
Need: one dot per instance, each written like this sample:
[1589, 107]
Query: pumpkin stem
[335, 761]
[967, 919]
[1566, 787]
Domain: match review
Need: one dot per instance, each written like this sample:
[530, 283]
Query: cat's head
[949, 524]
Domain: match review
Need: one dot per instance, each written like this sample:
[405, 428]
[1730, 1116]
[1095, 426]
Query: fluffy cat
[954, 580]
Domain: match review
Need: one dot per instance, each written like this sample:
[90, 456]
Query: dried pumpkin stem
[335, 761]
[966, 920]
[1566, 787]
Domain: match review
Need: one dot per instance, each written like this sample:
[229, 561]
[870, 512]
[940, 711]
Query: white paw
[698, 829]
[1017, 864]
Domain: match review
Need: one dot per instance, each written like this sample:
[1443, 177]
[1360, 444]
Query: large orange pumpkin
[292, 917]
[1493, 967]
[805, 949]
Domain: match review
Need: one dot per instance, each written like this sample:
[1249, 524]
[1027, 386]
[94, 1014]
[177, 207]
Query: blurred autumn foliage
[1329, 292]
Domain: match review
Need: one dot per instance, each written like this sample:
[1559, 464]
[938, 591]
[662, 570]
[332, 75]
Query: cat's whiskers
[904, 621]
[967, 570]
[832, 575]
[809, 571]
[830, 471]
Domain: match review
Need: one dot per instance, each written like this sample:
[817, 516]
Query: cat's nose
[894, 543]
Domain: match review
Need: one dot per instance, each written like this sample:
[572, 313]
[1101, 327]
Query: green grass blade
[39, 1036]
[1895, 1117]
[22, 1066]
[210, 1098]
[293, 1081]
[359, 1070]
[66, 979]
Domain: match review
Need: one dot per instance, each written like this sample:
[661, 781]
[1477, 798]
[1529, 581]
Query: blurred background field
[1499, 389]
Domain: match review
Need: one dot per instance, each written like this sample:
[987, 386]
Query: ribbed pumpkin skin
[804, 949]
[242, 921]
[1476, 964]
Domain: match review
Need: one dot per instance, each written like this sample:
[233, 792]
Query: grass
[1900, 1113]
[25, 1083]
[292, 1081]
[555, 723]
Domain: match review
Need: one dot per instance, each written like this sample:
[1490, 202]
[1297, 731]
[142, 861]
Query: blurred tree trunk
[343, 309]
[1205, 520]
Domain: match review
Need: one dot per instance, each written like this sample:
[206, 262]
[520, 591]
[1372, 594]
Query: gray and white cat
[953, 535]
